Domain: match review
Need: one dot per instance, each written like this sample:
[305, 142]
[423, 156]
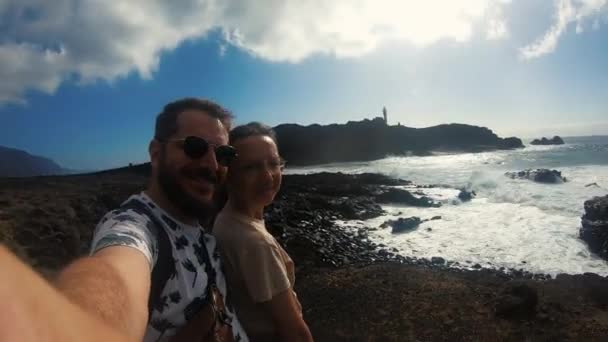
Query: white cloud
[568, 12]
[43, 43]
[497, 24]
[222, 50]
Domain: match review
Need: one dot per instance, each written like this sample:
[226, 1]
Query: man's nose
[209, 160]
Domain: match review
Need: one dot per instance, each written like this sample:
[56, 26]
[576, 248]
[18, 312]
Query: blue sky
[82, 84]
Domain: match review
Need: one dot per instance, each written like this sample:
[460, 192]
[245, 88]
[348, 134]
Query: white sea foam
[511, 223]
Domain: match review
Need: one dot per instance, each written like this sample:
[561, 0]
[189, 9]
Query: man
[115, 286]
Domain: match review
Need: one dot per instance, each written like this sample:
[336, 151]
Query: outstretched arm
[32, 310]
[113, 285]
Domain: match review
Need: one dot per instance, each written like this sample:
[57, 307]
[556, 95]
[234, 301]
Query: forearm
[32, 310]
[95, 286]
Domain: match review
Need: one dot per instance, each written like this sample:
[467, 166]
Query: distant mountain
[374, 139]
[17, 163]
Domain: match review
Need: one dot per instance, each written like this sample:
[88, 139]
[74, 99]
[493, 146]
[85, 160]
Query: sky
[81, 81]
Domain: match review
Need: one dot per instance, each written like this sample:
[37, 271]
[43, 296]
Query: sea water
[511, 223]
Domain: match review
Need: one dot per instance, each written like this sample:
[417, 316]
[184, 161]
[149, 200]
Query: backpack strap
[165, 265]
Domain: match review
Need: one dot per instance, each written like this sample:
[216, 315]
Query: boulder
[465, 195]
[511, 143]
[594, 223]
[437, 261]
[402, 224]
[539, 176]
[400, 196]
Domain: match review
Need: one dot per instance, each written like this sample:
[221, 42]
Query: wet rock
[556, 140]
[518, 301]
[400, 196]
[539, 176]
[465, 195]
[511, 143]
[402, 224]
[594, 228]
[437, 261]
[435, 218]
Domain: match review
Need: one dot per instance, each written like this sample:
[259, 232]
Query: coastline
[350, 287]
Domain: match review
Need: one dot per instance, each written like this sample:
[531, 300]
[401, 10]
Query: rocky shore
[350, 287]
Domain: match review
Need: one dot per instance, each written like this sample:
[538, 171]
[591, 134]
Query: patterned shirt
[185, 291]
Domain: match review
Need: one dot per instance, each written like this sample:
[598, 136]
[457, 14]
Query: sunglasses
[196, 147]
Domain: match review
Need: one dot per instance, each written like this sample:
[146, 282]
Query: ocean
[511, 223]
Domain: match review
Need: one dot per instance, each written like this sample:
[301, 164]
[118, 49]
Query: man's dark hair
[166, 121]
[252, 129]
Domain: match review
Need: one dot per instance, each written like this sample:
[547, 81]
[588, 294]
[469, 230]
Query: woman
[259, 272]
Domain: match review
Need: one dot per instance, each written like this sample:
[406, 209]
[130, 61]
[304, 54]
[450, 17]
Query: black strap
[164, 265]
[211, 274]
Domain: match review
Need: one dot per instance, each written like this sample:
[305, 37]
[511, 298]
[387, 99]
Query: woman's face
[254, 177]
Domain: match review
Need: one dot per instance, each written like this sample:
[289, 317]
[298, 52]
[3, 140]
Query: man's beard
[179, 197]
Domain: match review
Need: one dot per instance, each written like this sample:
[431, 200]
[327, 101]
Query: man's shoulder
[124, 217]
[127, 226]
[132, 211]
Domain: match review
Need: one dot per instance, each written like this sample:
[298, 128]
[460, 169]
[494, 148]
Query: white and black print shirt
[185, 291]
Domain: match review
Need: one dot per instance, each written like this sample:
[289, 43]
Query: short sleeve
[263, 271]
[125, 227]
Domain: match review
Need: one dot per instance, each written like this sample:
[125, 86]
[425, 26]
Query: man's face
[189, 184]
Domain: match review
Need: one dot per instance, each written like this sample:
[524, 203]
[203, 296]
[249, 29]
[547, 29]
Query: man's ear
[154, 149]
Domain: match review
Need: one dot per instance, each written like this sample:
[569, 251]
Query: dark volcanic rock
[402, 224]
[373, 139]
[437, 261]
[594, 228]
[303, 214]
[401, 196]
[465, 195]
[556, 140]
[347, 292]
[517, 301]
[511, 143]
[539, 175]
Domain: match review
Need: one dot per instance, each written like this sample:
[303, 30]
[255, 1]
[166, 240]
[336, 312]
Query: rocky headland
[351, 288]
[374, 139]
[18, 163]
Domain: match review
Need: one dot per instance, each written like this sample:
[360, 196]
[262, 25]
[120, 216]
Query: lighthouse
[385, 115]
